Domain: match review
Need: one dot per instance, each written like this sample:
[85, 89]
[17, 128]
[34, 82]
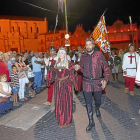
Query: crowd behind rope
[22, 74]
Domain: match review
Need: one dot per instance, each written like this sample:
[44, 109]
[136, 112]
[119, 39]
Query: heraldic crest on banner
[100, 36]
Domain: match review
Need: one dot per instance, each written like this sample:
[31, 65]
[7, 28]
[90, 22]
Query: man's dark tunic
[93, 66]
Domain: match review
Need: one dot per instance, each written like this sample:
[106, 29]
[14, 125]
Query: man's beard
[89, 51]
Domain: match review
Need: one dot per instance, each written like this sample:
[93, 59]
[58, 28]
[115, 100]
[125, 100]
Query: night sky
[88, 11]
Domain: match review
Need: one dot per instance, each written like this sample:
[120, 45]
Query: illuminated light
[128, 30]
[108, 31]
[121, 30]
[67, 36]
[135, 29]
[115, 31]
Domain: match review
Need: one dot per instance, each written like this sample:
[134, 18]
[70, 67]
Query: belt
[98, 78]
[91, 80]
[61, 79]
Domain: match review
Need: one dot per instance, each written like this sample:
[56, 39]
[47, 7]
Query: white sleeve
[68, 57]
[137, 58]
[74, 58]
[138, 73]
[124, 64]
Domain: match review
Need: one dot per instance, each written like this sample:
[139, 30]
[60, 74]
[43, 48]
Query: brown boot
[131, 93]
[126, 90]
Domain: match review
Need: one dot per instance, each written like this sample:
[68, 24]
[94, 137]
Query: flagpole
[132, 30]
[66, 17]
[55, 28]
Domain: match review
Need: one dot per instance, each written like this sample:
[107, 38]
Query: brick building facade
[30, 33]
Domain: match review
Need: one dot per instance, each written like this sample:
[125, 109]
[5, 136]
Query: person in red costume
[48, 62]
[80, 74]
[93, 64]
[3, 67]
[65, 77]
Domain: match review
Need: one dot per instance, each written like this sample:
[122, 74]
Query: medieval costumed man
[48, 62]
[65, 77]
[93, 64]
[137, 80]
[130, 61]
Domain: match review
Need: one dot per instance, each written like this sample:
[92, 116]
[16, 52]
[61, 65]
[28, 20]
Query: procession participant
[130, 61]
[80, 74]
[121, 53]
[137, 80]
[62, 72]
[114, 60]
[49, 61]
[138, 76]
[92, 64]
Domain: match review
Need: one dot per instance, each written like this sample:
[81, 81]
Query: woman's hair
[58, 61]
[2, 76]
[77, 56]
[17, 57]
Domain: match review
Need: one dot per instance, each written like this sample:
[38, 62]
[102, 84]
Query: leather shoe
[89, 127]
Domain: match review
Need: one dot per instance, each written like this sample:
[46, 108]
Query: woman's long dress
[65, 81]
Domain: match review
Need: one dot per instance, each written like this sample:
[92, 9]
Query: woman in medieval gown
[62, 72]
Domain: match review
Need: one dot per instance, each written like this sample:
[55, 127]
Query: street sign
[67, 42]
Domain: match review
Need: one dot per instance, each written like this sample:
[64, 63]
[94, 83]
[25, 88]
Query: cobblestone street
[120, 118]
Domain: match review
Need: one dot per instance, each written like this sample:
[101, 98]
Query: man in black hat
[51, 59]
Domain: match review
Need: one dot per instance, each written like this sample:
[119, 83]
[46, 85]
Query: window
[13, 29]
[31, 29]
[61, 43]
[19, 29]
[37, 30]
[62, 35]
[41, 41]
